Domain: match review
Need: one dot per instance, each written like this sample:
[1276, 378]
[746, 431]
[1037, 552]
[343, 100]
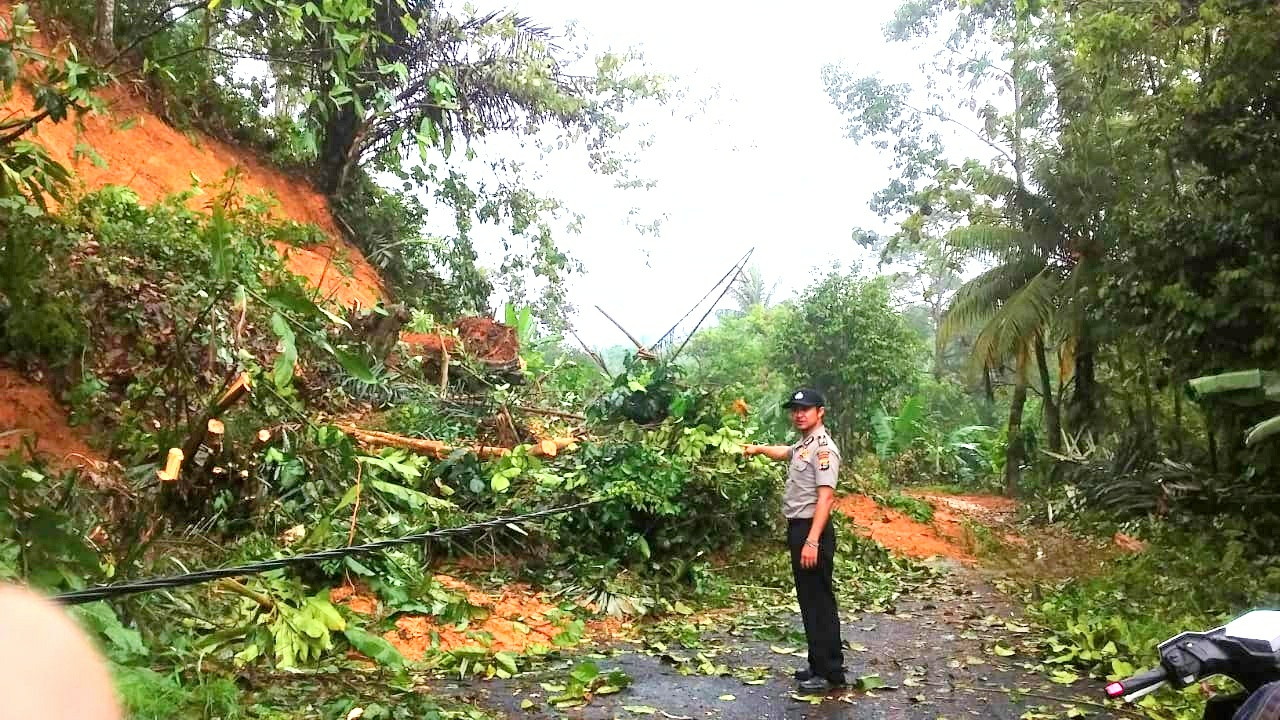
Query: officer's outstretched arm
[773, 452]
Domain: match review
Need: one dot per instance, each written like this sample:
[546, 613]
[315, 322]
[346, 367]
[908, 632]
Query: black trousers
[817, 596]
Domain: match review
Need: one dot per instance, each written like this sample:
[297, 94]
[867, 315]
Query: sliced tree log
[172, 466]
[236, 390]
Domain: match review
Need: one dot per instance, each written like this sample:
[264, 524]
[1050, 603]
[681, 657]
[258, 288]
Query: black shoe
[819, 684]
[802, 675]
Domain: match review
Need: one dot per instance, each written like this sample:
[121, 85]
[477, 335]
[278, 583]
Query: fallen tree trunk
[439, 450]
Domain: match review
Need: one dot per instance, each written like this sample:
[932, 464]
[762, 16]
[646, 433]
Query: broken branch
[590, 353]
[240, 589]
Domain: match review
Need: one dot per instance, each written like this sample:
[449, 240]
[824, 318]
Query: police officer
[806, 502]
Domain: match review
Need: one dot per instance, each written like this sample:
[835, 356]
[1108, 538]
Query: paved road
[933, 651]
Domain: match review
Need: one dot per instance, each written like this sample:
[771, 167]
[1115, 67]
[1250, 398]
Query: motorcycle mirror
[1258, 630]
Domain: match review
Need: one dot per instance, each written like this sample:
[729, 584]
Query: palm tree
[1035, 294]
[751, 289]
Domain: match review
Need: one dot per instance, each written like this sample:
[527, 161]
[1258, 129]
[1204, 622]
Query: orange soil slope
[944, 537]
[28, 412]
[143, 153]
[155, 160]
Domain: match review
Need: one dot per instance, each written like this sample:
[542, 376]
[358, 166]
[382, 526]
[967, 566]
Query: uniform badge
[808, 441]
[803, 455]
[824, 459]
[822, 441]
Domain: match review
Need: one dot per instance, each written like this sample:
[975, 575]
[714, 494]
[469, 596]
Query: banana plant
[1246, 388]
[893, 434]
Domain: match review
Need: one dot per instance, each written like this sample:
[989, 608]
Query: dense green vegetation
[1119, 227]
[1040, 307]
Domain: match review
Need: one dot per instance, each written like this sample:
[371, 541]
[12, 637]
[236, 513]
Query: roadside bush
[845, 339]
[916, 447]
[44, 522]
[677, 491]
[38, 318]
[196, 298]
[1192, 576]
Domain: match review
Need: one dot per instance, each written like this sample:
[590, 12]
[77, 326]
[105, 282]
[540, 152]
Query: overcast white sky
[766, 165]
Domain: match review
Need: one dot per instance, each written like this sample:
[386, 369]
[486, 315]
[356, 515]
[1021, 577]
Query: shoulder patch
[824, 459]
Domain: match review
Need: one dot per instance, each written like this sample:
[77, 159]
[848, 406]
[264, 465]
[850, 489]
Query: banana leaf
[1243, 387]
[1262, 431]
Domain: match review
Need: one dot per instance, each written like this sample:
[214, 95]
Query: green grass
[914, 508]
[946, 489]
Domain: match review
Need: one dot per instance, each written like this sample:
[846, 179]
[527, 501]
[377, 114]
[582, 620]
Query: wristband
[810, 543]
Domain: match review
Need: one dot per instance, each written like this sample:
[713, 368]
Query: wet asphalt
[934, 652]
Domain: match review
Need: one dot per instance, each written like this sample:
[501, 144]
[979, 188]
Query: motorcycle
[1246, 649]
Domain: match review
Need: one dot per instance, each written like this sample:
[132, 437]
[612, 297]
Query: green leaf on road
[375, 647]
[870, 682]
[1063, 677]
[584, 672]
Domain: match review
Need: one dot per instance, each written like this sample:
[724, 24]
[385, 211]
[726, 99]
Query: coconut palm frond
[1019, 320]
[1067, 358]
[978, 300]
[1074, 299]
[989, 241]
[751, 289]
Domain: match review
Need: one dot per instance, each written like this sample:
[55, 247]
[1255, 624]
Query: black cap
[805, 397]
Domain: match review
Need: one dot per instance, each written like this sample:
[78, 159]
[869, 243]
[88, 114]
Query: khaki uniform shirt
[814, 461]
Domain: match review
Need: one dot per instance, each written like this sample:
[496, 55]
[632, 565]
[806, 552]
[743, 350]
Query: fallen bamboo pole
[641, 350]
[439, 450]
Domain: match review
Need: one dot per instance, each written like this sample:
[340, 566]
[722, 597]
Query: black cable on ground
[103, 592]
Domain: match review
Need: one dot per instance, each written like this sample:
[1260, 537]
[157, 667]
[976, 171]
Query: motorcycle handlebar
[1138, 685]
